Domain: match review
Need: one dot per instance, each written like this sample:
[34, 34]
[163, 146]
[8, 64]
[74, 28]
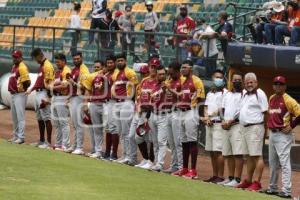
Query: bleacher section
[56, 13]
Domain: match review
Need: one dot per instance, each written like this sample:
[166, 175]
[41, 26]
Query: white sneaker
[156, 168]
[148, 165]
[232, 183]
[95, 155]
[18, 141]
[12, 139]
[224, 182]
[123, 161]
[68, 150]
[143, 162]
[37, 144]
[78, 152]
[45, 145]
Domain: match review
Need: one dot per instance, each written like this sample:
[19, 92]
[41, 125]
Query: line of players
[164, 106]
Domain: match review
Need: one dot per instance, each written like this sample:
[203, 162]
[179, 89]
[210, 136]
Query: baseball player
[159, 121]
[124, 82]
[19, 82]
[253, 112]
[282, 109]
[143, 135]
[192, 93]
[42, 102]
[98, 67]
[112, 136]
[214, 131]
[233, 148]
[96, 86]
[144, 72]
[60, 112]
[173, 85]
[78, 74]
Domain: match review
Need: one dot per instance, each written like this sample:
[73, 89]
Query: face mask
[183, 14]
[218, 82]
[237, 85]
[149, 9]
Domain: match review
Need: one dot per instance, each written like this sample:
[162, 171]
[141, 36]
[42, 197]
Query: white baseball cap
[149, 3]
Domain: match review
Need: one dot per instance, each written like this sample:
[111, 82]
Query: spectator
[118, 14]
[196, 53]
[209, 45]
[292, 27]
[108, 40]
[185, 25]
[267, 23]
[98, 13]
[75, 24]
[151, 24]
[225, 31]
[126, 24]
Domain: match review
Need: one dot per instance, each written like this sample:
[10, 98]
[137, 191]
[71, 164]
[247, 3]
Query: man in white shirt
[151, 23]
[252, 117]
[75, 24]
[98, 13]
[233, 147]
[209, 44]
[214, 131]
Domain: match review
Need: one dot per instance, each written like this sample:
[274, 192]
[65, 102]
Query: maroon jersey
[147, 87]
[13, 79]
[171, 99]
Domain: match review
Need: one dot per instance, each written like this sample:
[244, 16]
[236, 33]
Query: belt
[216, 121]
[57, 94]
[184, 109]
[247, 125]
[162, 112]
[14, 92]
[40, 89]
[274, 130]
[120, 100]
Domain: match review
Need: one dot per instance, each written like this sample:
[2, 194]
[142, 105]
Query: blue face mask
[218, 82]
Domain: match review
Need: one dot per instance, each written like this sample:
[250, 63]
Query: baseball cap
[195, 42]
[154, 62]
[278, 7]
[149, 3]
[17, 54]
[279, 79]
[183, 7]
[144, 69]
[118, 13]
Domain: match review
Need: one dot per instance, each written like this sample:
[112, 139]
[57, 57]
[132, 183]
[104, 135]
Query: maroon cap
[144, 69]
[154, 62]
[279, 79]
[17, 54]
[118, 13]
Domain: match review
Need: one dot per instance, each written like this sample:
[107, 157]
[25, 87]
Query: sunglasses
[278, 83]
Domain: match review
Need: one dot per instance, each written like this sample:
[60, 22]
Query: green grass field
[30, 173]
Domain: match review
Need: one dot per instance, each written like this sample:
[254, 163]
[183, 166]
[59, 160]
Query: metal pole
[177, 50]
[14, 38]
[53, 44]
[244, 28]
[33, 38]
[234, 19]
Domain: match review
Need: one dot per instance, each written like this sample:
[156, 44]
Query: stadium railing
[58, 39]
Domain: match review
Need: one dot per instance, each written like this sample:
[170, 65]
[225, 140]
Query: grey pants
[132, 135]
[279, 155]
[18, 104]
[96, 112]
[76, 112]
[92, 135]
[60, 115]
[174, 140]
[122, 117]
[159, 130]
